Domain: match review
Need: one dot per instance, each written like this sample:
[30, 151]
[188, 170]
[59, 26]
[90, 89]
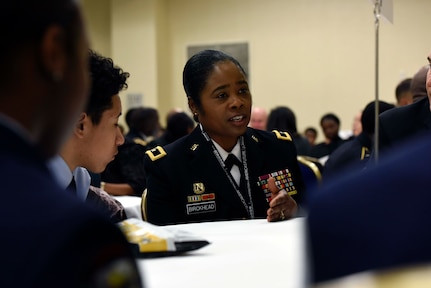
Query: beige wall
[315, 56]
[97, 14]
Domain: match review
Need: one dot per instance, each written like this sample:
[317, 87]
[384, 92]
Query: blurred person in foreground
[375, 219]
[222, 170]
[379, 218]
[49, 238]
[403, 123]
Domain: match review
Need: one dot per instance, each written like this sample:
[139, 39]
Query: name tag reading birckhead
[202, 207]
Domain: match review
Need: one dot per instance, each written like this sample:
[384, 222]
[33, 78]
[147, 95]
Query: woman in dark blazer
[189, 181]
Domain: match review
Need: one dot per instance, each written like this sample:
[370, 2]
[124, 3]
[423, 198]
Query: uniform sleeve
[161, 204]
[106, 204]
[288, 147]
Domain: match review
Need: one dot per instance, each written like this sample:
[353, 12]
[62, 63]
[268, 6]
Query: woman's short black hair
[198, 68]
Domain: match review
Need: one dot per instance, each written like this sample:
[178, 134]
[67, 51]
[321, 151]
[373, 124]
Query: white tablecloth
[132, 205]
[247, 253]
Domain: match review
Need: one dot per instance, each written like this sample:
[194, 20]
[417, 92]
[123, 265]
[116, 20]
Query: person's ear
[193, 108]
[81, 125]
[53, 52]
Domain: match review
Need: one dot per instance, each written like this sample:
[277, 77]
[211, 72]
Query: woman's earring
[195, 117]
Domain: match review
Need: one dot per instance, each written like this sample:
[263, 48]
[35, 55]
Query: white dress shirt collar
[223, 153]
[63, 176]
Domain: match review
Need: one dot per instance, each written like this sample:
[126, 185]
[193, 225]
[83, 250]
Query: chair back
[144, 205]
[311, 170]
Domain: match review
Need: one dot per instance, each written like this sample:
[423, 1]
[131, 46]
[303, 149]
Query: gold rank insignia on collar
[365, 153]
[194, 147]
[198, 188]
[156, 153]
[282, 135]
[254, 138]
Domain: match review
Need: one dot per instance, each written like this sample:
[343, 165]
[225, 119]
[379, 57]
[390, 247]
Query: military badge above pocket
[283, 180]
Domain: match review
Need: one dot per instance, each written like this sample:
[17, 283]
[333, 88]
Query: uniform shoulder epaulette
[282, 135]
[140, 141]
[156, 153]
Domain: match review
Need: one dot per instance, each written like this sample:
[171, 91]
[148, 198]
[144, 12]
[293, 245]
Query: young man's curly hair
[107, 80]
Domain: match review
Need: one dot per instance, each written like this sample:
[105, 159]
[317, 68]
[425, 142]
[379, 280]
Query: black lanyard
[248, 207]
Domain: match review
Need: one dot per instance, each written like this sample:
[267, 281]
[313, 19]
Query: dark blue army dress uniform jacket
[49, 238]
[402, 123]
[186, 182]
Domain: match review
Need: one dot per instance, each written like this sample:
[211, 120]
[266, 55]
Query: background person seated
[259, 118]
[417, 85]
[357, 150]
[283, 118]
[403, 93]
[144, 125]
[311, 134]
[125, 175]
[179, 124]
[330, 125]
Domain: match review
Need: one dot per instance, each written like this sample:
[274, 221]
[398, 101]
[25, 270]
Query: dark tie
[232, 160]
[229, 162]
[72, 186]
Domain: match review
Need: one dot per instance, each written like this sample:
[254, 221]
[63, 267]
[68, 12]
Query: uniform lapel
[255, 155]
[205, 169]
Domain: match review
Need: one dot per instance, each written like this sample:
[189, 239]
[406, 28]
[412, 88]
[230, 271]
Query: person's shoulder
[344, 147]
[177, 149]
[410, 109]
[347, 152]
[268, 136]
[319, 145]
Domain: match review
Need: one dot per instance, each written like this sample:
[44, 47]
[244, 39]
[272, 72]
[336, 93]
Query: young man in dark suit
[49, 238]
[95, 138]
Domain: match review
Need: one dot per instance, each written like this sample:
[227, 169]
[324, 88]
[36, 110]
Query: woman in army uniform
[190, 179]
